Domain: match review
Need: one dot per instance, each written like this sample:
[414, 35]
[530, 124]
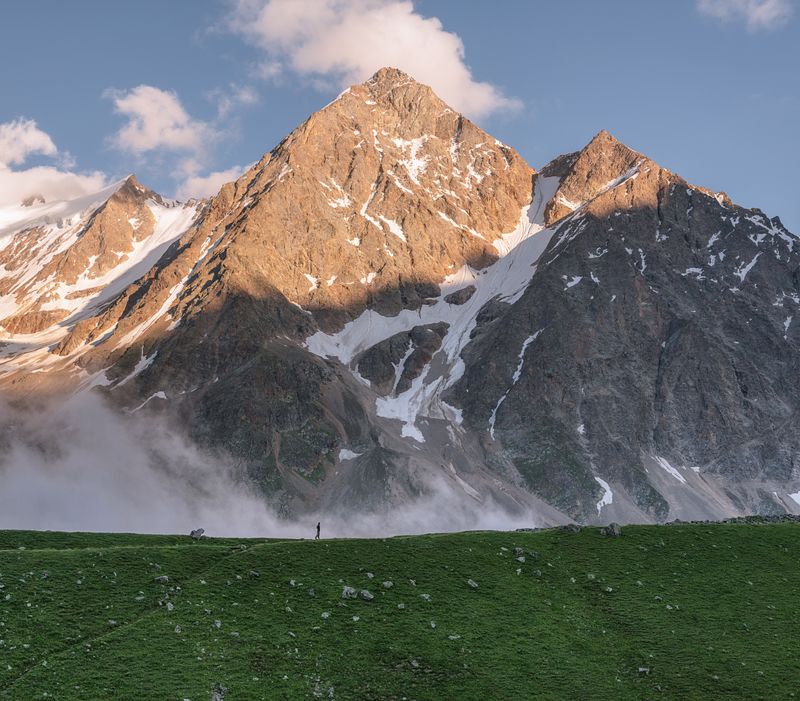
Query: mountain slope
[691, 611]
[391, 303]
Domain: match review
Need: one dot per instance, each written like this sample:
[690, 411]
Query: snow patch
[663, 463]
[313, 280]
[742, 270]
[608, 496]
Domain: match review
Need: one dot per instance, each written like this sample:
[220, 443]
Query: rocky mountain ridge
[392, 300]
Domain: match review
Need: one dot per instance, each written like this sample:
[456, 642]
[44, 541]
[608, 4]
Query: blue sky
[185, 93]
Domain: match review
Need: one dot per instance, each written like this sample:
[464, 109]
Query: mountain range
[392, 299]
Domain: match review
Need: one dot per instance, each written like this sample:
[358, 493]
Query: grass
[711, 611]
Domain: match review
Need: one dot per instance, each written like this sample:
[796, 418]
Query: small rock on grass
[472, 583]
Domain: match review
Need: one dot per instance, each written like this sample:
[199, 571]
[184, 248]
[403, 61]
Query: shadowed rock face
[373, 307]
[392, 365]
[664, 313]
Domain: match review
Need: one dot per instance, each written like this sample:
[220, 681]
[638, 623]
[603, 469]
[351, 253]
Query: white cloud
[348, 40]
[22, 138]
[158, 123]
[756, 14]
[47, 181]
[201, 186]
[235, 96]
[157, 120]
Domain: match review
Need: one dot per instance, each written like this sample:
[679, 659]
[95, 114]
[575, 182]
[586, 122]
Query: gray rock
[472, 583]
[387, 584]
[349, 593]
[254, 574]
[197, 533]
[161, 579]
[461, 296]
[612, 529]
[366, 595]
[218, 694]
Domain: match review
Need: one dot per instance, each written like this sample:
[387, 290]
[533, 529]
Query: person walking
[317, 536]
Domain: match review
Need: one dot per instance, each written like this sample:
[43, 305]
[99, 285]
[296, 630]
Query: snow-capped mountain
[392, 298]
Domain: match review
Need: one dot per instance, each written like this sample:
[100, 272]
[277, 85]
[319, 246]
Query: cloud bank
[348, 40]
[756, 14]
[78, 466]
[20, 139]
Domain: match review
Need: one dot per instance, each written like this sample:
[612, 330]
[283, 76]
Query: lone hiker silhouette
[317, 536]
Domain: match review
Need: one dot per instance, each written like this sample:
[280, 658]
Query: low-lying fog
[77, 466]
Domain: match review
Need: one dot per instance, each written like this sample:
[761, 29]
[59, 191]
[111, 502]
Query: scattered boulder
[254, 574]
[366, 595]
[349, 593]
[571, 528]
[161, 579]
[460, 296]
[612, 529]
[472, 583]
[518, 552]
[197, 533]
[388, 584]
[218, 693]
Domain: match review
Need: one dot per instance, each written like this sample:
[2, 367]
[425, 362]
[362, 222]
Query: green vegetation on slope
[673, 612]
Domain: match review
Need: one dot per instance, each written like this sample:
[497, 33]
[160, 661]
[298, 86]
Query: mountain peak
[606, 142]
[584, 174]
[389, 76]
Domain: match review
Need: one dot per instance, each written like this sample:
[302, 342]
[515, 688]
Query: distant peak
[33, 200]
[130, 189]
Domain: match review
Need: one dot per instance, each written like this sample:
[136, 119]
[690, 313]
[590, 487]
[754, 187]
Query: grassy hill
[673, 612]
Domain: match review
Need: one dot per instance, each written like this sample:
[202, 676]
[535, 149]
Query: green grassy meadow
[664, 612]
